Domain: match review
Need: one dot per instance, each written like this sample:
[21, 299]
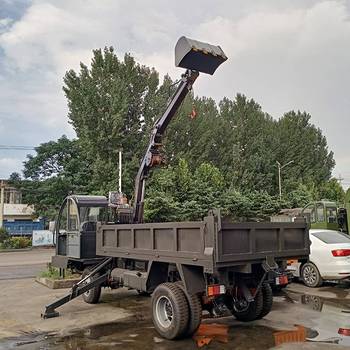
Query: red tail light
[341, 252]
[344, 331]
[216, 289]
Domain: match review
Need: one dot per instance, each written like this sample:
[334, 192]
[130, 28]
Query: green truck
[329, 215]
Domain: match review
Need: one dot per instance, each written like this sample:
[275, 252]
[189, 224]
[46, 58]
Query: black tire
[92, 296]
[195, 310]
[170, 312]
[253, 311]
[267, 299]
[310, 275]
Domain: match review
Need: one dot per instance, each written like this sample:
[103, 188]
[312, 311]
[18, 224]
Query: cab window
[72, 216]
[320, 212]
[310, 210]
[62, 225]
[331, 213]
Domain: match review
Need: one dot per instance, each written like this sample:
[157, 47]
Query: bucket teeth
[198, 56]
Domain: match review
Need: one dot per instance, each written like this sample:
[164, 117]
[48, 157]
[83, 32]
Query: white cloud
[9, 163]
[294, 59]
[285, 54]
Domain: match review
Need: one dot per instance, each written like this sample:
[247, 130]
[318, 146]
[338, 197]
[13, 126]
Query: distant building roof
[290, 211]
[18, 210]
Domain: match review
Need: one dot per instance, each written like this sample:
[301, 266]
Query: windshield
[331, 237]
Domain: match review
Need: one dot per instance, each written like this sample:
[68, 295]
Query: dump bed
[210, 243]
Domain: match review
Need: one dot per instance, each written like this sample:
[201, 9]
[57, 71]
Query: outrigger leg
[79, 288]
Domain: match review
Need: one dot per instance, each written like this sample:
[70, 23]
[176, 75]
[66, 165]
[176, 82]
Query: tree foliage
[225, 157]
[58, 168]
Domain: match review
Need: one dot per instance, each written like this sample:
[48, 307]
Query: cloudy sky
[286, 54]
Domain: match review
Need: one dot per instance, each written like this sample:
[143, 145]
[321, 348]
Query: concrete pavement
[34, 256]
[24, 264]
[123, 318]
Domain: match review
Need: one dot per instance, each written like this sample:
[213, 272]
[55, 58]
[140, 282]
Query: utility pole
[120, 172]
[2, 200]
[280, 167]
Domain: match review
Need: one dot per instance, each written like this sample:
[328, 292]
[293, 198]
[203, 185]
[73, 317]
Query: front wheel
[170, 313]
[310, 275]
[92, 296]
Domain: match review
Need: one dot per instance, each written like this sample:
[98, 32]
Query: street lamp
[280, 167]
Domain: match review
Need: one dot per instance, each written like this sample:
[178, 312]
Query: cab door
[61, 229]
[73, 234]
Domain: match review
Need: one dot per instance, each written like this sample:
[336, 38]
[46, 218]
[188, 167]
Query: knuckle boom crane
[196, 57]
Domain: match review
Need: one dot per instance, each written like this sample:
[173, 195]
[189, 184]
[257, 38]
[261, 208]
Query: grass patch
[54, 273]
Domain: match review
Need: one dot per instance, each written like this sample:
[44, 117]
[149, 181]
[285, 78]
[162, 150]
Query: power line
[17, 148]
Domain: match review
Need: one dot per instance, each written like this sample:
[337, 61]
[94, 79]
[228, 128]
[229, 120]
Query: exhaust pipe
[198, 56]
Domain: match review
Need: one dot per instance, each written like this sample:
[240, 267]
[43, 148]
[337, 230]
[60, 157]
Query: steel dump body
[209, 243]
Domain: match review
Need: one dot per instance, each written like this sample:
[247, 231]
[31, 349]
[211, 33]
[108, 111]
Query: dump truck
[214, 264]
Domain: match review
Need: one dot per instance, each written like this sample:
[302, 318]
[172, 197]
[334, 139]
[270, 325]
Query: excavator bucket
[198, 56]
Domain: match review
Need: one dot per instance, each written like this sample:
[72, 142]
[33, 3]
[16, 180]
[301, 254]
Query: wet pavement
[323, 319]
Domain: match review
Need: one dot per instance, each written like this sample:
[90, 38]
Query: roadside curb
[15, 250]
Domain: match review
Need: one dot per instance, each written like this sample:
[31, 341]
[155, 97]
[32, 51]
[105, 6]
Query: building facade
[17, 218]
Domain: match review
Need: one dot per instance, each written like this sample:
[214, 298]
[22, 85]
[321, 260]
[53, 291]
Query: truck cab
[322, 214]
[75, 231]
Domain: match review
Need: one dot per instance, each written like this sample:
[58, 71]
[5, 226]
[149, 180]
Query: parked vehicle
[329, 258]
[213, 264]
[329, 215]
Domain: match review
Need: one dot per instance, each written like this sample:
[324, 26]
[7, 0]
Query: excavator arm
[153, 155]
[196, 57]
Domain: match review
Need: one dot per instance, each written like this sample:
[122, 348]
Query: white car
[329, 258]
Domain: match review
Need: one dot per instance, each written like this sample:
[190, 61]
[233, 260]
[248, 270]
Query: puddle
[323, 319]
[341, 290]
[330, 318]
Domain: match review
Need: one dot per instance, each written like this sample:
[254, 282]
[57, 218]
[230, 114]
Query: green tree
[57, 169]
[297, 139]
[332, 190]
[111, 107]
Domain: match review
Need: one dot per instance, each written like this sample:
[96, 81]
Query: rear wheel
[251, 311]
[267, 299]
[91, 296]
[195, 310]
[310, 275]
[170, 312]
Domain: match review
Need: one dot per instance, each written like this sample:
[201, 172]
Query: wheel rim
[164, 312]
[310, 275]
[240, 305]
[88, 280]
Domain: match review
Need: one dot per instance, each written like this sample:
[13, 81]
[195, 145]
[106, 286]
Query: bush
[3, 235]
[16, 243]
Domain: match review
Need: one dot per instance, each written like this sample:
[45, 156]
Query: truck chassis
[219, 266]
